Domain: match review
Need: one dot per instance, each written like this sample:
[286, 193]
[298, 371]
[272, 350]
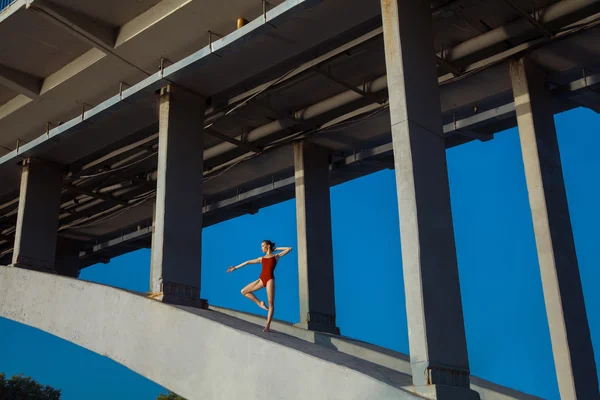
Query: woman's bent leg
[253, 287]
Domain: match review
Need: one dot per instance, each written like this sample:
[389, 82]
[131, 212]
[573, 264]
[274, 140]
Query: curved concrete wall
[200, 355]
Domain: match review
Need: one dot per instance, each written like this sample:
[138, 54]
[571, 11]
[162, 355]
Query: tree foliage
[170, 396]
[19, 387]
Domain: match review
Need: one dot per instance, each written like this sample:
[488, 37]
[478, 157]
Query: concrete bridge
[147, 124]
[197, 352]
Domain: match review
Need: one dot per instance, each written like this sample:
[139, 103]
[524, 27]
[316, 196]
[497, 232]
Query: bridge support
[563, 293]
[438, 349]
[37, 217]
[67, 257]
[177, 235]
[315, 250]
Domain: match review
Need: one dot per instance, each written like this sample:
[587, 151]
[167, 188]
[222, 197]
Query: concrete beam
[69, 71]
[94, 32]
[315, 249]
[438, 348]
[13, 105]
[148, 19]
[103, 38]
[177, 237]
[563, 293]
[20, 82]
[37, 218]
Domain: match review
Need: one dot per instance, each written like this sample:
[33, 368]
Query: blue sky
[507, 332]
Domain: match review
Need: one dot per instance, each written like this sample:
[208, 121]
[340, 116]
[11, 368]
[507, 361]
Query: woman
[266, 279]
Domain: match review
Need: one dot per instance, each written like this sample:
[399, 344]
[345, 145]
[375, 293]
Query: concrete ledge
[375, 354]
[199, 354]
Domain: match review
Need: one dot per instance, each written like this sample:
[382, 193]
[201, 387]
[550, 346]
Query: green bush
[24, 388]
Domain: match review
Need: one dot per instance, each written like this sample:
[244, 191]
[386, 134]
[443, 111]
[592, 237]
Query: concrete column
[563, 294]
[67, 257]
[37, 217]
[315, 251]
[177, 237]
[438, 349]
[154, 275]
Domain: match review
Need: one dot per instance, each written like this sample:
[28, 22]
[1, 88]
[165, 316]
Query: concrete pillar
[438, 349]
[177, 236]
[67, 257]
[315, 251]
[563, 294]
[37, 217]
[153, 274]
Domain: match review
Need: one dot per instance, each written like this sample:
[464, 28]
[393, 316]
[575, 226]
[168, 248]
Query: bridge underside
[270, 83]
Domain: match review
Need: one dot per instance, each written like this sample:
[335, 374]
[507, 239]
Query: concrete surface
[200, 354]
[374, 354]
[177, 236]
[37, 219]
[315, 249]
[563, 293]
[438, 345]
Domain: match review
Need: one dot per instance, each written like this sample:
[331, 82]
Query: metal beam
[225, 138]
[212, 113]
[134, 236]
[535, 23]
[590, 82]
[447, 7]
[20, 82]
[109, 199]
[587, 82]
[283, 115]
[448, 65]
[113, 154]
[460, 127]
[347, 85]
[465, 124]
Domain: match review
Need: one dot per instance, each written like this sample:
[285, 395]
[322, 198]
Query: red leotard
[268, 266]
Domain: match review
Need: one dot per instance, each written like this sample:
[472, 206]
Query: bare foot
[263, 306]
[267, 329]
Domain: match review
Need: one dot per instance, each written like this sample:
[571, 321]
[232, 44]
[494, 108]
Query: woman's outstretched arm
[284, 251]
[254, 261]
